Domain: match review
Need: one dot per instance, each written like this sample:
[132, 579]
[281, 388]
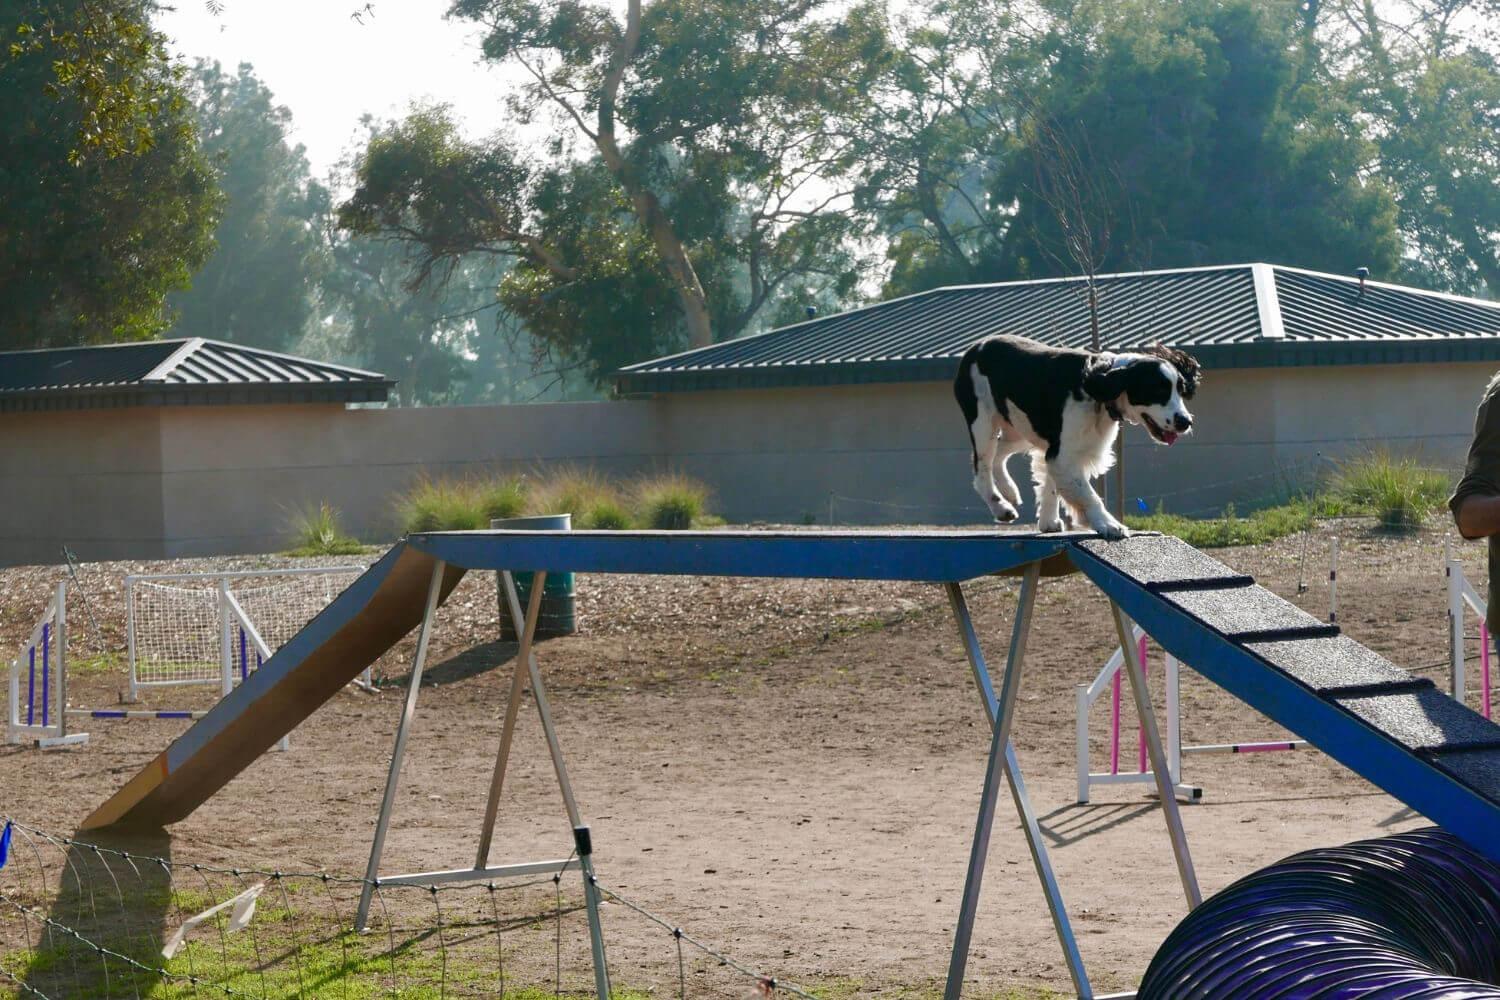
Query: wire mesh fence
[121, 917]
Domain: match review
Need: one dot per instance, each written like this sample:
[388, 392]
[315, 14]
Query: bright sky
[329, 69]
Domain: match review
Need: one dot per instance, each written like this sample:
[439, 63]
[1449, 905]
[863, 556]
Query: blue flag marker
[1140, 505]
[5, 844]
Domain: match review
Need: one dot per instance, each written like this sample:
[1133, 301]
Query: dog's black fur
[1038, 379]
[1070, 404]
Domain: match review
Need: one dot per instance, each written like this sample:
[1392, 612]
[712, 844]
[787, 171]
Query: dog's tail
[968, 402]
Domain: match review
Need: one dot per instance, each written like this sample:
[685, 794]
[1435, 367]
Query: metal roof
[188, 372]
[1232, 316]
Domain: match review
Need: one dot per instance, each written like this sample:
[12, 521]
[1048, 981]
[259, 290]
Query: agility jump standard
[1398, 731]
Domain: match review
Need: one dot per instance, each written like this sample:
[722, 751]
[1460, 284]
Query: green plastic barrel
[558, 614]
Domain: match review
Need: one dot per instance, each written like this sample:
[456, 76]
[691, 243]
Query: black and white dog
[1065, 407]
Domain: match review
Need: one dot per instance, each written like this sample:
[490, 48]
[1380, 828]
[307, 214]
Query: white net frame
[176, 622]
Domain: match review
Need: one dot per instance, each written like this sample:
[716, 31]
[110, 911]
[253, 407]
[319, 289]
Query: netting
[176, 633]
[175, 624]
[124, 918]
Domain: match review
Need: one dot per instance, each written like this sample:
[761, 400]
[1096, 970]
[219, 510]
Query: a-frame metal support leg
[403, 730]
[526, 669]
[1002, 761]
[1159, 764]
[512, 708]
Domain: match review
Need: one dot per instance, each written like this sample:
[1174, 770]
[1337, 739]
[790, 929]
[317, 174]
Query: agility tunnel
[1400, 917]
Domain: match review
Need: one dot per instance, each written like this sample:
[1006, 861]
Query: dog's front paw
[1049, 525]
[1111, 530]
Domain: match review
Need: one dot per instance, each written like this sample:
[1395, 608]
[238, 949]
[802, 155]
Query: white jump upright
[38, 708]
[482, 871]
[1463, 599]
[1108, 678]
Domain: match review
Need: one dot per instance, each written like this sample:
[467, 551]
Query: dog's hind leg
[989, 447]
[1007, 445]
[983, 416]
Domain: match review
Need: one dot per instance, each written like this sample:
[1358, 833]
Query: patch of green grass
[1228, 529]
[846, 988]
[595, 501]
[95, 663]
[670, 501]
[316, 532]
[279, 956]
[1397, 490]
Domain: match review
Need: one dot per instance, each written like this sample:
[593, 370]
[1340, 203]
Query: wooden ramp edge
[1394, 729]
[366, 620]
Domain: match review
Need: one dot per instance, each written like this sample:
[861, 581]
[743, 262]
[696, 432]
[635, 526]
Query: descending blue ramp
[359, 625]
[1393, 729]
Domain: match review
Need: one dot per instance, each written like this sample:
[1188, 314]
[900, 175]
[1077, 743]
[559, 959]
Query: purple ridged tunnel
[1402, 917]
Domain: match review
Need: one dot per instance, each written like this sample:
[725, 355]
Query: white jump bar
[1268, 747]
[482, 874]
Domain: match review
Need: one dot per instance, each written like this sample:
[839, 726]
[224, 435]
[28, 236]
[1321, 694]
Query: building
[126, 450]
[855, 411]
[195, 447]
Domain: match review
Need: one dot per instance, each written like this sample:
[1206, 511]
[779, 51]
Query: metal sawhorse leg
[1002, 762]
[525, 670]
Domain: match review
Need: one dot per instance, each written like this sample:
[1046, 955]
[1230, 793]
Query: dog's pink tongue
[1170, 437]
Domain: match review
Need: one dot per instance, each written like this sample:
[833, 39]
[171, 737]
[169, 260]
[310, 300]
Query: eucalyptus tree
[1423, 78]
[692, 180]
[108, 203]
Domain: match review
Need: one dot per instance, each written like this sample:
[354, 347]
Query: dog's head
[1150, 387]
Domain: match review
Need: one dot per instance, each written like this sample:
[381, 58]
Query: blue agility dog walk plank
[387, 601]
[1394, 730]
[935, 556]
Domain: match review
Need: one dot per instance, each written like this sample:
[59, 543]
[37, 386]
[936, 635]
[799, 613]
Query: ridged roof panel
[1204, 308]
[1324, 307]
[1211, 306]
[205, 364]
[81, 367]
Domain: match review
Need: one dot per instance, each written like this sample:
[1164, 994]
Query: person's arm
[1476, 499]
[1477, 516]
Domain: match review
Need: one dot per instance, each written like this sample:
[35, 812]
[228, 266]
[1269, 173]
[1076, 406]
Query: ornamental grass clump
[669, 501]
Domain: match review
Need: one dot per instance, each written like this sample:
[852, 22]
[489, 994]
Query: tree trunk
[689, 290]
[648, 208]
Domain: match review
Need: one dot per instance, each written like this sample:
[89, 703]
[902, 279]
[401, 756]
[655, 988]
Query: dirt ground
[788, 769]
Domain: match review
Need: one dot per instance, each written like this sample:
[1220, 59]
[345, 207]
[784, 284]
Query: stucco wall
[91, 480]
[147, 483]
[888, 454]
[233, 477]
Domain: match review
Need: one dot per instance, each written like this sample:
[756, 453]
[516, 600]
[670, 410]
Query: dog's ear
[1187, 366]
[1104, 382]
